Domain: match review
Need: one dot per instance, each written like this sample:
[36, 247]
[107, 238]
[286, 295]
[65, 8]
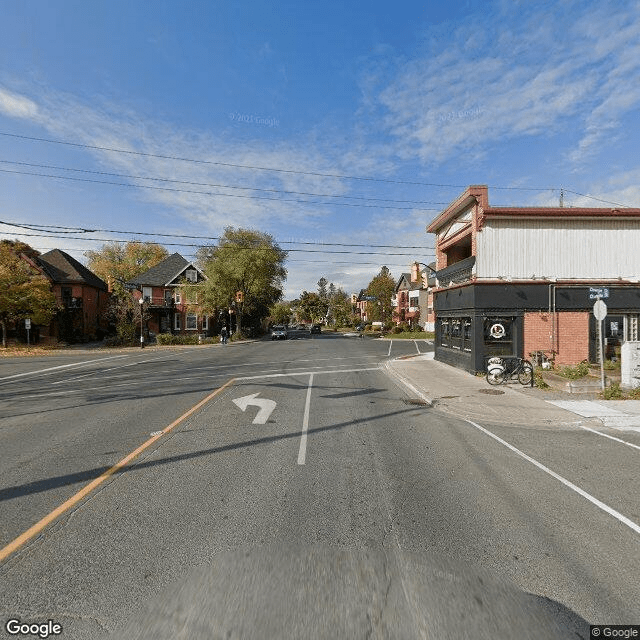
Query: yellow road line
[73, 500]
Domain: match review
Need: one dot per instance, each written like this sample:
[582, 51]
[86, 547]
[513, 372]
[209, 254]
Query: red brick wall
[571, 339]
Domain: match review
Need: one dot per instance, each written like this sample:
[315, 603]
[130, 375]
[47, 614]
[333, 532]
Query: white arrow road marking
[266, 406]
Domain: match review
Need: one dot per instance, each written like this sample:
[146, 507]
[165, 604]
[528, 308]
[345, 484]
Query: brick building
[82, 299]
[170, 293]
[516, 280]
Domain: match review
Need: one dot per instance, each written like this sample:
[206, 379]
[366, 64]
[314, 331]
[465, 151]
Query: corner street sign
[598, 292]
[27, 323]
[600, 310]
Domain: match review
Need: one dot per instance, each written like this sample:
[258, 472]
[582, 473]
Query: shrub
[539, 381]
[397, 329]
[168, 339]
[573, 373]
[613, 392]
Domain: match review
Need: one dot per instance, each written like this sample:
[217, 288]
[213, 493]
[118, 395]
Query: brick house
[515, 280]
[400, 300]
[171, 294]
[82, 298]
[361, 305]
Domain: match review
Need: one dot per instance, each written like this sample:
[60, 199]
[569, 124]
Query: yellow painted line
[73, 500]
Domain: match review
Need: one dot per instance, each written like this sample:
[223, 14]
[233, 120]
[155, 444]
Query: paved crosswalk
[623, 415]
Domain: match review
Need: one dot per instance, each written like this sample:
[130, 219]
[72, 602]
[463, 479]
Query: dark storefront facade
[477, 321]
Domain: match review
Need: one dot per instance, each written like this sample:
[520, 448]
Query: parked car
[361, 327]
[278, 332]
[315, 328]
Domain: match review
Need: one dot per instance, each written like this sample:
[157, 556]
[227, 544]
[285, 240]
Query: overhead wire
[43, 227]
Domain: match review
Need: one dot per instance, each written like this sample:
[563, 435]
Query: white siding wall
[585, 249]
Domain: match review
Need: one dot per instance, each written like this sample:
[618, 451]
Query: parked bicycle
[506, 369]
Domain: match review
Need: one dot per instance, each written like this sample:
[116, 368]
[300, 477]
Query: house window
[147, 293]
[177, 322]
[178, 297]
[205, 323]
[192, 322]
[191, 275]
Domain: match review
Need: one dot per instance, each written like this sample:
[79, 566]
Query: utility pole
[561, 198]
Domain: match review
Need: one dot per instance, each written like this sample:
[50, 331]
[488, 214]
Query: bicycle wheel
[525, 375]
[495, 378]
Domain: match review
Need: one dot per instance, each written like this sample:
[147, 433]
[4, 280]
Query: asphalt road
[307, 496]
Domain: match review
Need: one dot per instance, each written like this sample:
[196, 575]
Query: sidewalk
[466, 396]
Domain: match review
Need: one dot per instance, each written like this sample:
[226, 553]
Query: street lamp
[141, 301]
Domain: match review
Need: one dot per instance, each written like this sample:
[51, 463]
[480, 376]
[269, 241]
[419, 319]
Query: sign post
[27, 326]
[600, 313]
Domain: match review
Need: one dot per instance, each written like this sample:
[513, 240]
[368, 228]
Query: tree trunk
[4, 333]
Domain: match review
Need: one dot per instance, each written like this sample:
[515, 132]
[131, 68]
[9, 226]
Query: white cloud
[530, 74]
[17, 106]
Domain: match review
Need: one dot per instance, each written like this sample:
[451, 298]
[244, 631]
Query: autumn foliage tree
[117, 262]
[25, 292]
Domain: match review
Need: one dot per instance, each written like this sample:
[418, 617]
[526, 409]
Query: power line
[209, 184]
[183, 244]
[43, 227]
[256, 168]
[209, 193]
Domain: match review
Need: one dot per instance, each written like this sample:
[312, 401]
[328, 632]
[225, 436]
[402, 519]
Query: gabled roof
[164, 273]
[61, 268]
[403, 276]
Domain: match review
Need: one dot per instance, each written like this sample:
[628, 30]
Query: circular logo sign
[497, 331]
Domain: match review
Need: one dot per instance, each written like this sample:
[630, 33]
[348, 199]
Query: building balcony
[456, 273]
[159, 302]
[72, 303]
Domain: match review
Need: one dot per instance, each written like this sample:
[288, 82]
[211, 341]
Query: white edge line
[305, 373]
[62, 366]
[601, 505]
[605, 435]
[408, 385]
[390, 344]
[302, 453]
[415, 344]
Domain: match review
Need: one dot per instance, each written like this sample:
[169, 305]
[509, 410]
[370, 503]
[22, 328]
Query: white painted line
[390, 343]
[408, 385]
[103, 371]
[416, 346]
[601, 505]
[304, 373]
[302, 452]
[62, 366]
[605, 435]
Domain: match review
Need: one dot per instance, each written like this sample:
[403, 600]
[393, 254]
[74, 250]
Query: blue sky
[268, 116]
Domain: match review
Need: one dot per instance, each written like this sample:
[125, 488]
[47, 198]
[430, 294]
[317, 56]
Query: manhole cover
[416, 401]
[492, 392]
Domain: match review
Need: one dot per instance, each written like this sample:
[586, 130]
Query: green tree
[310, 307]
[245, 261]
[381, 288]
[117, 262]
[322, 288]
[280, 313]
[26, 293]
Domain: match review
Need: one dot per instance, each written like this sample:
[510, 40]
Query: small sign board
[369, 298]
[27, 323]
[600, 310]
[598, 292]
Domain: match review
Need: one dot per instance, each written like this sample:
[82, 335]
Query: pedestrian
[223, 335]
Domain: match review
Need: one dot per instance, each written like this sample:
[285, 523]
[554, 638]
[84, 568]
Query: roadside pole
[27, 326]
[600, 313]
